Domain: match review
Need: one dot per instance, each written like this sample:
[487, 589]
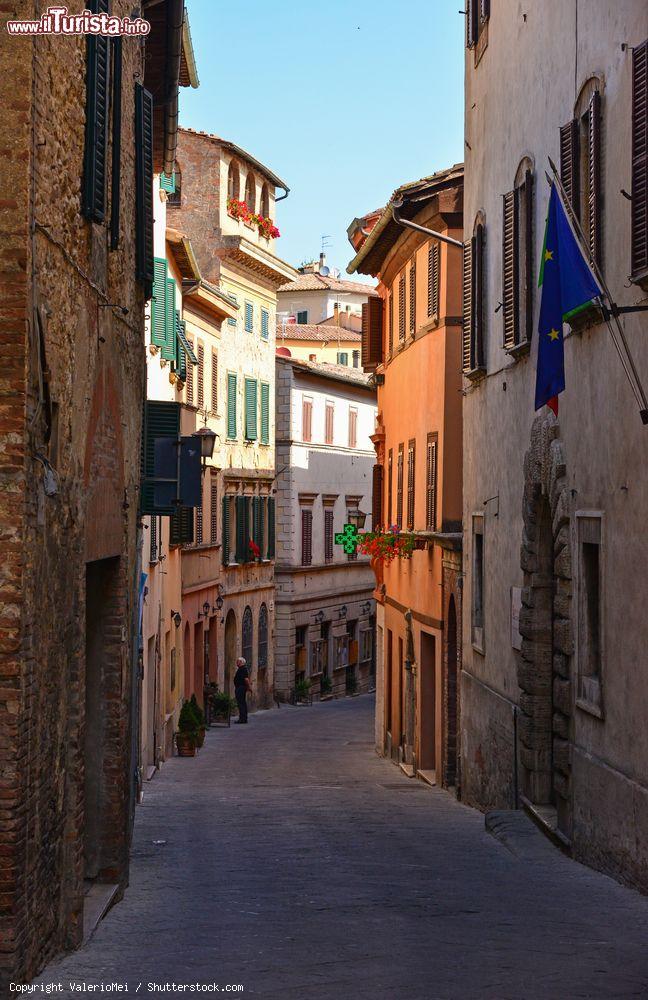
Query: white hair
[241, 662]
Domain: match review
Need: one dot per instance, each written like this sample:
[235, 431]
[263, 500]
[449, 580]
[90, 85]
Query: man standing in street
[241, 687]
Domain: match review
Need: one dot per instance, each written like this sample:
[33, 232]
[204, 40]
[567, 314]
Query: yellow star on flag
[549, 254]
[553, 334]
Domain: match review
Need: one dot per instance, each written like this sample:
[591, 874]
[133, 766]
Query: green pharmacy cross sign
[348, 539]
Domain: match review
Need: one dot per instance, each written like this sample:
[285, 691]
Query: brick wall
[92, 361]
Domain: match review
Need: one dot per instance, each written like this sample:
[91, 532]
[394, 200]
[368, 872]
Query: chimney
[322, 259]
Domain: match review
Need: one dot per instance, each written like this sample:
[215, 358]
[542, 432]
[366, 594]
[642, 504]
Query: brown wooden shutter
[401, 307]
[412, 297]
[214, 381]
[639, 210]
[307, 537]
[201, 376]
[199, 525]
[510, 264]
[431, 483]
[433, 280]
[391, 321]
[353, 428]
[213, 512]
[372, 334]
[478, 300]
[364, 344]
[328, 535]
[411, 483]
[189, 384]
[467, 304]
[528, 254]
[390, 487]
[484, 9]
[594, 176]
[377, 498]
[399, 487]
[307, 415]
[569, 163]
[471, 22]
[328, 430]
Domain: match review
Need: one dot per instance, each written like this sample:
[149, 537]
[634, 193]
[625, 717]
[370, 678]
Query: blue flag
[567, 283]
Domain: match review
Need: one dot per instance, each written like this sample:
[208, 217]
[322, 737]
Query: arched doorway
[247, 636]
[451, 696]
[230, 650]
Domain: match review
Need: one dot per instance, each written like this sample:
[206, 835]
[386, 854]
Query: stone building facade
[233, 394]
[73, 289]
[325, 617]
[552, 707]
[411, 344]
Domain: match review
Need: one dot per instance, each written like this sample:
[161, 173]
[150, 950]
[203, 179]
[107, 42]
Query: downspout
[283, 196]
[422, 229]
[175, 22]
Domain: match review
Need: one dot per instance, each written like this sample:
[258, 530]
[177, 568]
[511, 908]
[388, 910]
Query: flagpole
[608, 312]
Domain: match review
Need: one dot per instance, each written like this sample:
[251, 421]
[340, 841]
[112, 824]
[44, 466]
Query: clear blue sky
[345, 100]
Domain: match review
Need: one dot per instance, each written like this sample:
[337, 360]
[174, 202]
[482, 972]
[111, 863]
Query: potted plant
[302, 692]
[187, 731]
[221, 706]
[386, 545]
[326, 687]
[200, 721]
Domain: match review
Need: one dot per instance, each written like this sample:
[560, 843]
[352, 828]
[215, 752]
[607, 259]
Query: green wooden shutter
[256, 509]
[271, 528]
[265, 413]
[160, 420]
[144, 187]
[231, 405]
[158, 303]
[250, 409]
[249, 317]
[167, 183]
[169, 349]
[265, 327]
[241, 529]
[180, 360]
[262, 506]
[226, 529]
[181, 526]
[115, 171]
[93, 195]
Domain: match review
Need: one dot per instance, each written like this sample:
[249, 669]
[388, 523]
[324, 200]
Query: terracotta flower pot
[186, 744]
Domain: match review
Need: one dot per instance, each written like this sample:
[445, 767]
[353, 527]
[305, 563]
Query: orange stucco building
[412, 343]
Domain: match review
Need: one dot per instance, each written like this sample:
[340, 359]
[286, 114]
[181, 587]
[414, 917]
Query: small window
[590, 620]
[302, 316]
[307, 419]
[250, 193]
[329, 417]
[353, 427]
[249, 317]
[342, 358]
[306, 537]
[234, 181]
[477, 607]
[265, 201]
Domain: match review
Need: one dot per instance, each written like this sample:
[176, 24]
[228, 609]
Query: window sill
[476, 374]
[640, 279]
[519, 350]
[590, 708]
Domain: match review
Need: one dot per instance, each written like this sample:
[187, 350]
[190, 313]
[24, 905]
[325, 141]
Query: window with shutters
[232, 321]
[247, 637]
[243, 552]
[249, 317]
[328, 535]
[153, 530]
[161, 420]
[517, 260]
[95, 157]
[307, 418]
[226, 527]
[115, 172]
[399, 486]
[251, 431]
[377, 498]
[431, 483]
[412, 297]
[477, 15]
[342, 358]
[411, 483]
[199, 525]
[372, 334]
[401, 307]
[181, 526]
[306, 537]
[353, 427]
[302, 316]
[250, 192]
[271, 528]
[390, 487]
[189, 385]
[329, 417]
[143, 182]
[265, 413]
[200, 388]
[214, 382]
[434, 256]
[213, 511]
[580, 165]
[639, 204]
[473, 287]
[158, 303]
[390, 322]
[478, 579]
[169, 349]
[262, 655]
[265, 324]
[231, 406]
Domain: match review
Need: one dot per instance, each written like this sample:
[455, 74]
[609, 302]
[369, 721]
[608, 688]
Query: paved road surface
[299, 864]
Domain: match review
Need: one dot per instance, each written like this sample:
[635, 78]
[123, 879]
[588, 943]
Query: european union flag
[567, 283]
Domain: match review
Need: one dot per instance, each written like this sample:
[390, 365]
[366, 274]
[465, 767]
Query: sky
[344, 100]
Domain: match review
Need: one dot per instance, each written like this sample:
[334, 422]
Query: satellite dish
[324, 271]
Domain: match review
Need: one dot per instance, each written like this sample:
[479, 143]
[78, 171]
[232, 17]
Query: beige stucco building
[326, 415]
[554, 710]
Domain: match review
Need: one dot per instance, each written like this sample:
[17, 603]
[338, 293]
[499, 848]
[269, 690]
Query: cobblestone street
[289, 858]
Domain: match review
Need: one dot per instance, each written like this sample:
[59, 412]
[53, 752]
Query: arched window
[265, 201]
[262, 655]
[517, 259]
[175, 195]
[248, 637]
[234, 181]
[250, 192]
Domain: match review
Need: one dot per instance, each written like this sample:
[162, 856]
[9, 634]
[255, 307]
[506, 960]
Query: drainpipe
[174, 27]
[422, 229]
[283, 196]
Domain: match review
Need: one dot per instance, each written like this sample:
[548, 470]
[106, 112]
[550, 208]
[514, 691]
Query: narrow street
[289, 858]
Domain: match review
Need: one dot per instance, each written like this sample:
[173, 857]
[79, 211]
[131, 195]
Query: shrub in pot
[222, 705]
[326, 685]
[187, 731]
[302, 691]
[200, 721]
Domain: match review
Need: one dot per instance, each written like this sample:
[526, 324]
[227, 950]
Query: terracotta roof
[340, 373]
[313, 331]
[240, 152]
[411, 199]
[316, 283]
